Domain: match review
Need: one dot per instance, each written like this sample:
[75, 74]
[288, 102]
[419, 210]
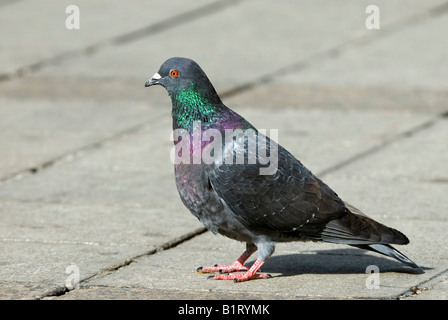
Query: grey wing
[290, 200]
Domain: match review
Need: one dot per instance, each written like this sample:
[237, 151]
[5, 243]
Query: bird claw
[222, 268]
[241, 277]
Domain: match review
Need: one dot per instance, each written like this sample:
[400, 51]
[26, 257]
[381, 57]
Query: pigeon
[237, 199]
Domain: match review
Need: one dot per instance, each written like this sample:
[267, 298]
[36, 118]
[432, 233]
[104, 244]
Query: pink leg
[249, 275]
[236, 266]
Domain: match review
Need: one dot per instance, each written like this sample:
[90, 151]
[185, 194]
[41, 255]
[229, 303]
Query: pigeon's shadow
[338, 261]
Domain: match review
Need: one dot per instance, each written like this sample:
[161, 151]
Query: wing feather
[284, 201]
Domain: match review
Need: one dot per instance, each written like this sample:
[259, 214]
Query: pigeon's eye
[174, 73]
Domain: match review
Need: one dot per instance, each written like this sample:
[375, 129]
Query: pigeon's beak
[154, 80]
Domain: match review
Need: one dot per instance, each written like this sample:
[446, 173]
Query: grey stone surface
[85, 175]
[436, 292]
[298, 270]
[43, 33]
[405, 64]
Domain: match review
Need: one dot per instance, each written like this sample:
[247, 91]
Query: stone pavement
[86, 184]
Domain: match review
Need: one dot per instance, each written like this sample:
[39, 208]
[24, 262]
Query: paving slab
[345, 98]
[85, 173]
[413, 57]
[298, 270]
[126, 293]
[82, 199]
[312, 270]
[115, 182]
[36, 132]
[434, 291]
[44, 35]
[411, 172]
[209, 40]
[40, 240]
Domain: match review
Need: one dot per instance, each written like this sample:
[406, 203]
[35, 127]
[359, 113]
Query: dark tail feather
[388, 250]
[356, 229]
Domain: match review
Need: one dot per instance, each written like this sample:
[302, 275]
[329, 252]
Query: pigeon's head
[178, 74]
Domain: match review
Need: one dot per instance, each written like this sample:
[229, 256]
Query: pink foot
[249, 275]
[234, 267]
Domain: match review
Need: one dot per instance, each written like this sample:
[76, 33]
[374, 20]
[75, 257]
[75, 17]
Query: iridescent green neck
[190, 105]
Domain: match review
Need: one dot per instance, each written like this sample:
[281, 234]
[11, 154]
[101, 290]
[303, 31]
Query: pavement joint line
[105, 271]
[439, 10]
[175, 242]
[232, 294]
[192, 15]
[149, 30]
[200, 12]
[363, 154]
[88, 243]
[341, 48]
[175, 21]
[5, 3]
[94, 204]
[75, 154]
[425, 285]
[99, 144]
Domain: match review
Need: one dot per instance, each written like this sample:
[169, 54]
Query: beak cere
[154, 80]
